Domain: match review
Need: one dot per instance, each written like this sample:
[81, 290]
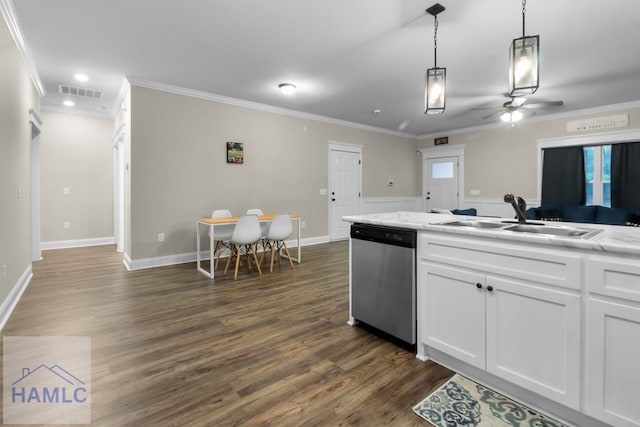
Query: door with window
[441, 183]
[344, 189]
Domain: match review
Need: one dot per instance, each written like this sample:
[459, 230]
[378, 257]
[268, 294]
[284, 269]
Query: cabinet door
[612, 357]
[533, 338]
[453, 312]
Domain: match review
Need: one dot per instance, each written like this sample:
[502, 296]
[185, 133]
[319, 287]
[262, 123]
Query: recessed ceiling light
[287, 88]
[68, 103]
[81, 77]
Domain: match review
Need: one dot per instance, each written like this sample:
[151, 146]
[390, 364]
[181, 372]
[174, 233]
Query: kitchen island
[549, 319]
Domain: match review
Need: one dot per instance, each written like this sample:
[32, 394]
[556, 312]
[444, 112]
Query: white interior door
[441, 183]
[344, 190]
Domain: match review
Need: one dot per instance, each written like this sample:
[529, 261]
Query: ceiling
[347, 58]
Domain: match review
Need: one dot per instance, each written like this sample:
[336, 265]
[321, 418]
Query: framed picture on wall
[235, 153]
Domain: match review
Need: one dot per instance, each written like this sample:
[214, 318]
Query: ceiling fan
[510, 110]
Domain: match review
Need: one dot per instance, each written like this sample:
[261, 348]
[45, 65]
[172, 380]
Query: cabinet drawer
[614, 277]
[530, 262]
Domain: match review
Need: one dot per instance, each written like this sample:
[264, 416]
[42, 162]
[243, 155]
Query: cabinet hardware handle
[479, 285]
[489, 288]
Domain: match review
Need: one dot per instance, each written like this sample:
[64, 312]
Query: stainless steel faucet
[519, 206]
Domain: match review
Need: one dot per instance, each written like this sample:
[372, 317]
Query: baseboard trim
[79, 243]
[14, 296]
[162, 261]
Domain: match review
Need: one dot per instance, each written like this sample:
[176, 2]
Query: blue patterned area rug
[462, 402]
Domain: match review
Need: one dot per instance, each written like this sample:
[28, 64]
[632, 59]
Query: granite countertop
[612, 238]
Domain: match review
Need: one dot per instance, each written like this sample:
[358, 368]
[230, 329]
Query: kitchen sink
[473, 224]
[561, 231]
[528, 228]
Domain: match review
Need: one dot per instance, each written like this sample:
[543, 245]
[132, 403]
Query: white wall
[503, 159]
[77, 153]
[17, 97]
[179, 171]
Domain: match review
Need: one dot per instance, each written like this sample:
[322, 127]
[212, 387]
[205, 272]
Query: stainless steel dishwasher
[383, 279]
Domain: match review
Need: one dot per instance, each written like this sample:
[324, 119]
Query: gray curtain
[563, 178]
[625, 175]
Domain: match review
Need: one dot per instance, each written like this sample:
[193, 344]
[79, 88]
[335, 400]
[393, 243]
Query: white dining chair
[222, 234]
[264, 227]
[246, 234]
[280, 230]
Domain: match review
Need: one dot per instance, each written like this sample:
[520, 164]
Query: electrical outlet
[160, 237]
[66, 225]
[19, 191]
[474, 192]
[303, 224]
[390, 182]
[4, 271]
[66, 191]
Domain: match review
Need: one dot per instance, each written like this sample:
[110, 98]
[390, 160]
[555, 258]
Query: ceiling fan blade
[544, 104]
[487, 108]
[491, 115]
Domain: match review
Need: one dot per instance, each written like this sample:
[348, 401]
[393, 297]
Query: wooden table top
[234, 219]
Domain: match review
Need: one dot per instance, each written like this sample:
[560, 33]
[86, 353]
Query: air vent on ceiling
[79, 91]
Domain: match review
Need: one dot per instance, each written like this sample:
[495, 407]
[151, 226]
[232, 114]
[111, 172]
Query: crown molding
[125, 87]
[555, 116]
[176, 90]
[9, 14]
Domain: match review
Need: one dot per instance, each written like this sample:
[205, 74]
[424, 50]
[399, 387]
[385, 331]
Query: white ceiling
[347, 58]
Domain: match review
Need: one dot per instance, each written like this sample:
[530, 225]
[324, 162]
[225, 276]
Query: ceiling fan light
[511, 116]
[524, 66]
[435, 90]
[287, 88]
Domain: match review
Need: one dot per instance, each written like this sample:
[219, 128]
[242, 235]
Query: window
[442, 170]
[597, 168]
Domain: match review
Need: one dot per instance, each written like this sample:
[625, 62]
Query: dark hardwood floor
[173, 348]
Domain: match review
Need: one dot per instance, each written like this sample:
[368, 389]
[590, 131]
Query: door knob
[428, 198]
[333, 200]
[489, 288]
[479, 285]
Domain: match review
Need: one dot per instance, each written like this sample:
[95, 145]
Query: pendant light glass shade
[435, 81]
[435, 90]
[524, 66]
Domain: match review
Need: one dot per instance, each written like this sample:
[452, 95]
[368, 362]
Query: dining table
[212, 223]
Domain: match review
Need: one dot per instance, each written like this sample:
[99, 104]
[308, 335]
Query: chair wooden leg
[238, 256]
[273, 254]
[216, 253]
[247, 250]
[255, 257]
[288, 254]
[265, 244]
[231, 253]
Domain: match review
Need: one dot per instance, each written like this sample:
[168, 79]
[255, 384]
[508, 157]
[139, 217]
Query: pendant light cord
[524, 7]
[435, 41]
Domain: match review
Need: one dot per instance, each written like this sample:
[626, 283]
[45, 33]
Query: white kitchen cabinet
[454, 312]
[526, 332]
[533, 338]
[613, 341]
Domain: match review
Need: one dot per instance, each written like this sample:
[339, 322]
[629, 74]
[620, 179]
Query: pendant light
[524, 63]
[436, 77]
